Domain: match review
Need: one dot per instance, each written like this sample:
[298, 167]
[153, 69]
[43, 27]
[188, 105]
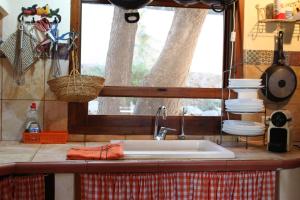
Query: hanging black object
[279, 79]
[187, 2]
[130, 4]
[218, 5]
[211, 2]
[131, 16]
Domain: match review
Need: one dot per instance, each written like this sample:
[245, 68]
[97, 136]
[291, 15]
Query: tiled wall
[15, 100]
[258, 56]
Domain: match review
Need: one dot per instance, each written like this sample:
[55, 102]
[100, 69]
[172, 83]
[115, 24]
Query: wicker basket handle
[74, 73]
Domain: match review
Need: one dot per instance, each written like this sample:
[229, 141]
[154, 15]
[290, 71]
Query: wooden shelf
[279, 21]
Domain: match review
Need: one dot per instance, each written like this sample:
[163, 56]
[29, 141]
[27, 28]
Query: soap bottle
[32, 123]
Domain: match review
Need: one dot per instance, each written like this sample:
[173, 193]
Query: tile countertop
[44, 158]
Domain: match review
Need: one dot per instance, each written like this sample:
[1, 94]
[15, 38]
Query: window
[172, 63]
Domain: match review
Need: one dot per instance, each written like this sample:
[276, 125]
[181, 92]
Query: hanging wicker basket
[76, 87]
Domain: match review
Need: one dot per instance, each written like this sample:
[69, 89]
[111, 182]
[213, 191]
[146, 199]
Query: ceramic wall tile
[33, 87]
[64, 66]
[14, 116]
[1, 70]
[56, 116]
[1, 74]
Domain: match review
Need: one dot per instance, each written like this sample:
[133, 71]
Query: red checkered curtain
[6, 188]
[257, 185]
[29, 187]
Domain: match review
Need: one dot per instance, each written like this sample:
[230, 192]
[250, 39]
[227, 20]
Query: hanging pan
[279, 79]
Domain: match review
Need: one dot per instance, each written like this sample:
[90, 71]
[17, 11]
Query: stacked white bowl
[246, 88]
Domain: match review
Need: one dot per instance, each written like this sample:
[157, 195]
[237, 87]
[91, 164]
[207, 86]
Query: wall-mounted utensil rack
[28, 15]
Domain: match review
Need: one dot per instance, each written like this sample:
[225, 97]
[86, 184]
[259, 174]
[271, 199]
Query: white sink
[145, 149]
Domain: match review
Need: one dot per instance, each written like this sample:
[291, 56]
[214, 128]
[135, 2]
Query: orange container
[47, 137]
[31, 138]
[53, 137]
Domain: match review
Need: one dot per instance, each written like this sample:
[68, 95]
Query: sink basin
[145, 149]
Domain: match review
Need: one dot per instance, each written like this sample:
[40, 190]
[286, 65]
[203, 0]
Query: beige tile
[16, 157]
[33, 87]
[1, 77]
[14, 116]
[19, 148]
[58, 149]
[0, 120]
[42, 157]
[64, 64]
[56, 116]
[1, 74]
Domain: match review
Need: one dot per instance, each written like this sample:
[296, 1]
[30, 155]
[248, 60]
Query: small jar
[289, 13]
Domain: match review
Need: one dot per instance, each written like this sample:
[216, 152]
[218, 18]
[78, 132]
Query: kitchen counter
[21, 158]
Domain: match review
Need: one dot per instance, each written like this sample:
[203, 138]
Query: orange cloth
[106, 152]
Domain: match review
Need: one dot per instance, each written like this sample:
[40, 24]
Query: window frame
[80, 122]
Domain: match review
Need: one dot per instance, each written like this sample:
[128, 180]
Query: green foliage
[144, 56]
[93, 70]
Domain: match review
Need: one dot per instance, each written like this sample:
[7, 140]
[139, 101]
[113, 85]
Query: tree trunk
[173, 64]
[119, 59]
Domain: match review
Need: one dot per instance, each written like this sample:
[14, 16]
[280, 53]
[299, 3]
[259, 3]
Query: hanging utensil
[279, 79]
[55, 65]
[19, 49]
[18, 71]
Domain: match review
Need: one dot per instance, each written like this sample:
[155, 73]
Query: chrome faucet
[162, 132]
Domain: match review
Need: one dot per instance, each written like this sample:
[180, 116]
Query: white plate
[243, 129]
[243, 106]
[252, 85]
[245, 90]
[239, 111]
[239, 128]
[245, 87]
[246, 101]
[243, 124]
[244, 80]
[236, 128]
[243, 133]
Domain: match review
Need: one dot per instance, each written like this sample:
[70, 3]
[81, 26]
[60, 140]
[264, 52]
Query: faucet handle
[167, 129]
[163, 132]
